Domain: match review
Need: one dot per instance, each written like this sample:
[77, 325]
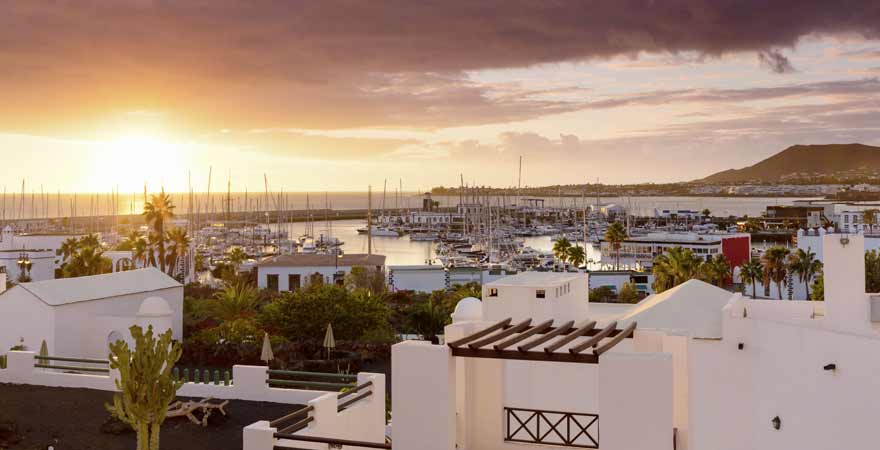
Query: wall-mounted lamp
[776, 422]
[844, 240]
[740, 346]
[831, 366]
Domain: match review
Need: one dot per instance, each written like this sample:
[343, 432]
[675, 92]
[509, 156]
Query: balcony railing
[552, 428]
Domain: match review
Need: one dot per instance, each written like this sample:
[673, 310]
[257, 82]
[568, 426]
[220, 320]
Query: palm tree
[615, 235]
[716, 270]
[576, 255]
[674, 267]
[139, 251]
[90, 240]
[236, 301]
[152, 244]
[237, 256]
[156, 211]
[68, 248]
[805, 266]
[180, 242]
[750, 272]
[775, 267]
[88, 261]
[560, 249]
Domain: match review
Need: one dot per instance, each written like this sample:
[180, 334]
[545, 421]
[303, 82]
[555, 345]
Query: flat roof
[536, 279]
[65, 291]
[316, 260]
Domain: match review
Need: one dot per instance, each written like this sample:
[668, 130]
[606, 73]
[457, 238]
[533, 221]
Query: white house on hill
[78, 317]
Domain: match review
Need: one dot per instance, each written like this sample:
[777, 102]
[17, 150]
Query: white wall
[635, 401]
[734, 394]
[42, 264]
[82, 328]
[249, 382]
[563, 301]
[304, 272]
[24, 316]
[424, 393]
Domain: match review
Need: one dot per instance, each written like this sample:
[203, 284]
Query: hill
[807, 161]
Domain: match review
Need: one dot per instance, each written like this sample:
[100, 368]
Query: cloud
[209, 64]
[775, 61]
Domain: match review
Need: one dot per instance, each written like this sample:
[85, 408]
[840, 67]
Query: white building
[695, 367]
[291, 272]
[35, 253]
[78, 317]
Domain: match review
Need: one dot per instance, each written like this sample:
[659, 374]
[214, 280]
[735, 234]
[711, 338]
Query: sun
[131, 160]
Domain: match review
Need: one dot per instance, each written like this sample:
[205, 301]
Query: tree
[673, 267]
[68, 247]
[818, 289]
[236, 301]
[560, 249]
[872, 271]
[775, 267]
[153, 241]
[87, 261]
[429, 318]
[129, 242]
[237, 256]
[139, 251]
[180, 243]
[576, 256]
[751, 226]
[715, 271]
[366, 278]
[805, 266]
[628, 294]
[615, 235]
[602, 294]
[870, 218]
[750, 272]
[146, 385]
[706, 213]
[159, 209]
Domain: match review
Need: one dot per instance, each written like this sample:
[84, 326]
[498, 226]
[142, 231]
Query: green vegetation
[156, 212]
[146, 383]
[775, 265]
[82, 257]
[751, 272]
[615, 235]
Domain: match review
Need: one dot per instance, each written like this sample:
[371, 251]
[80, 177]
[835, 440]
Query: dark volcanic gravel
[71, 419]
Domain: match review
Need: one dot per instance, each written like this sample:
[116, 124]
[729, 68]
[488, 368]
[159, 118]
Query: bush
[602, 294]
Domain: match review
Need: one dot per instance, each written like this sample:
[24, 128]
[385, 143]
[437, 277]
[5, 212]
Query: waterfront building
[291, 272]
[640, 251]
[79, 317]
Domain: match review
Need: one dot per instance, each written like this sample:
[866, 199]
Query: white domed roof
[468, 309]
[154, 307]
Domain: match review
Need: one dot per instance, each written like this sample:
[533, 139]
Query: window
[272, 282]
[294, 282]
[493, 292]
[540, 293]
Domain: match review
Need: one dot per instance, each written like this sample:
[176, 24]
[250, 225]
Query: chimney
[846, 304]
[2, 279]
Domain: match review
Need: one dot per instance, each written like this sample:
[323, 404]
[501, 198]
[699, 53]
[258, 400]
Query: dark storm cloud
[331, 64]
[775, 61]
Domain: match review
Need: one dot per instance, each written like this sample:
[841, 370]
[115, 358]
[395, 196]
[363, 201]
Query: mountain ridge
[803, 161]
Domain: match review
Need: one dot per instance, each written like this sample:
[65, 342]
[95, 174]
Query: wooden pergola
[542, 342]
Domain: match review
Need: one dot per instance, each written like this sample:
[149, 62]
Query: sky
[337, 95]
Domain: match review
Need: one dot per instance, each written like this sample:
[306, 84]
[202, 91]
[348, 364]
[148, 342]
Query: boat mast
[369, 220]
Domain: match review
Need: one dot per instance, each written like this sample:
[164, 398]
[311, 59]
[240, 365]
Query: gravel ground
[71, 419]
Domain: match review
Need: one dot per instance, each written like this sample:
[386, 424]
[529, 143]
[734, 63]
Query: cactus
[185, 375]
[197, 378]
[145, 383]
[216, 376]
[227, 379]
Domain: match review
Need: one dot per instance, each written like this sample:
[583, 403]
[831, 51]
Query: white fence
[248, 382]
[361, 421]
